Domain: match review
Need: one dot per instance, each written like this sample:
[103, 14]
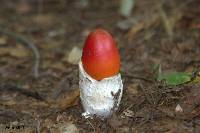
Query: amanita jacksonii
[100, 81]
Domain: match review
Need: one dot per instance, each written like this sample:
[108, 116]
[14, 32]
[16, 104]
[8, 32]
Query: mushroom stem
[99, 98]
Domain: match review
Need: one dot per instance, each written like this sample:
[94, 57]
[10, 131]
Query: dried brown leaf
[66, 99]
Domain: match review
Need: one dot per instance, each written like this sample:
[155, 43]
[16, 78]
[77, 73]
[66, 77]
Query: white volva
[99, 98]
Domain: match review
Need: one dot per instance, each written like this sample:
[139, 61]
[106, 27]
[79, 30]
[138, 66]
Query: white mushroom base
[99, 98]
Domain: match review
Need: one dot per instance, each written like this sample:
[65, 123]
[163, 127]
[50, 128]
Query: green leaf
[175, 78]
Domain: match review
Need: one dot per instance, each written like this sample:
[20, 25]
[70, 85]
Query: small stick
[166, 21]
[38, 126]
[91, 125]
[169, 22]
[26, 42]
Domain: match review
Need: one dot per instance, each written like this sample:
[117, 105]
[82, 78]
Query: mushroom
[100, 81]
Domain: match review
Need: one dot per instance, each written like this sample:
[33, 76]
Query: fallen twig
[28, 43]
[91, 125]
[154, 19]
[168, 26]
[169, 22]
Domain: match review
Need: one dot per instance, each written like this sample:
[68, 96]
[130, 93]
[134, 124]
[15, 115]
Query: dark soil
[39, 87]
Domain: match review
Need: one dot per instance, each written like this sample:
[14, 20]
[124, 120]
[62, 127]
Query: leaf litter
[148, 104]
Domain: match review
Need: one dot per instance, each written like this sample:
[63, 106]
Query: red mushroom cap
[100, 57]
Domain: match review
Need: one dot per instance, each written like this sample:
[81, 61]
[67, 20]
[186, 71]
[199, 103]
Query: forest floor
[39, 89]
